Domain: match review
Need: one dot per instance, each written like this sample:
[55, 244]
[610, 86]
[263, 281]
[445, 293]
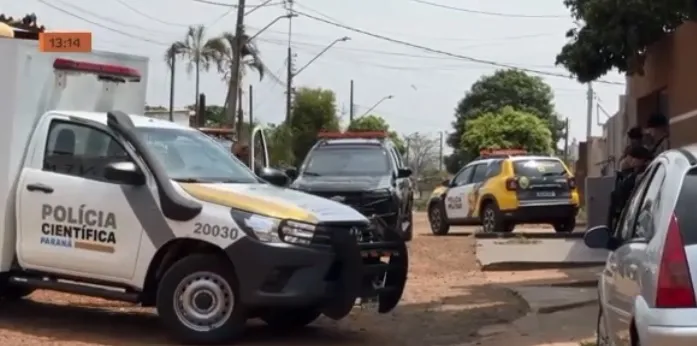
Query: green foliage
[490, 94]
[507, 129]
[377, 123]
[616, 34]
[280, 145]
[314, 109]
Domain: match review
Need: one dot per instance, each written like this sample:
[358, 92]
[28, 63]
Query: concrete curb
[548, 299]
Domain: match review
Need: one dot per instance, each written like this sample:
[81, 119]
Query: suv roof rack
[352, 135]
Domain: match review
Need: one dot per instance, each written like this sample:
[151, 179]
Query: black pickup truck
[363, 170]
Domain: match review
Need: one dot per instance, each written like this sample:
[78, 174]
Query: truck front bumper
[330, 277]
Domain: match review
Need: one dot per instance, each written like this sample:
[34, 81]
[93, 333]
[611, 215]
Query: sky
[425, 86]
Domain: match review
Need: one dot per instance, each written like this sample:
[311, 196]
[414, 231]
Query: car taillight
[512, 184]
[572, 183]
[674, 289]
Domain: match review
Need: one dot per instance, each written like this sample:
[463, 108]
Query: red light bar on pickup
[348, 135]
[501, 152]
[102, 70]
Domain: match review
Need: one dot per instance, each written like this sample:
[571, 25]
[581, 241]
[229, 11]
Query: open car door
[259, 157]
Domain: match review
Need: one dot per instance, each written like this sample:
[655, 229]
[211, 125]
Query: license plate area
[546, 194]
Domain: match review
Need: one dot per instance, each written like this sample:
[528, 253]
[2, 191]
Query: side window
[494, 169]
[645, 223]
[397, 159]
[479, 173]
[81, 150]
[627, 222]
[463, 177]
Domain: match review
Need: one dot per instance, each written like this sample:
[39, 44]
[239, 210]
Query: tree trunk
[198, 81]
[230, 98]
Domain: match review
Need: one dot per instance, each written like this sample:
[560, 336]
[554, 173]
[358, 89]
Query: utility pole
[289, 63]
[566, 141]
[240, 114]
[251, 111]
[440, 152]
[589, 113]
[351, 113]
[236, 62]
[171, 87]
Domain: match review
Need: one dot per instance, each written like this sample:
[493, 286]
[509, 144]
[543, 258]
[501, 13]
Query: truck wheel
[13, 293]
[565, 226]
[288, 319]
[492, 220]
[197, 301]
[438, 219]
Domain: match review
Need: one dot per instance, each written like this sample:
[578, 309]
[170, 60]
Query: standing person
[657, 134]
[635, 137]
[638, 158]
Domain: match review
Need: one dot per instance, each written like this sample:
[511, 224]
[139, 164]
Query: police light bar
[101, 70]
[501, 152]
[357, 134]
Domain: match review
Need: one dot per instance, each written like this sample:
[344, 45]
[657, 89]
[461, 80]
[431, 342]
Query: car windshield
[538, 167]
[195, 157]
[347, 161]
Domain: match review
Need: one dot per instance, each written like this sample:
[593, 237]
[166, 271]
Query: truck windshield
[539, 168]
[192, 156]
[347, 161]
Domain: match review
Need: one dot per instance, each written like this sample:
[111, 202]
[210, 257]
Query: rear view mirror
[292, 173]
[445, 183]
[274, 176]
[125, 172]
[597, 237]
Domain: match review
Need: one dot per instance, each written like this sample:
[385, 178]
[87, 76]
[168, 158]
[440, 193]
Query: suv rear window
[685, 208]
[538, 167]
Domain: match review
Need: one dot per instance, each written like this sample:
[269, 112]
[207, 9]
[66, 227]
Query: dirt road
[447, 300]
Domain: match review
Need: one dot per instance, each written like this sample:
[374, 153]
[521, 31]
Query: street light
[388, 97]
[343, 39]
[272, 23]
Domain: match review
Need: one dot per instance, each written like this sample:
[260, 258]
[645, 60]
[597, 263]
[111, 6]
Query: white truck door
[71, 219]
[456, 196]
[259, 152]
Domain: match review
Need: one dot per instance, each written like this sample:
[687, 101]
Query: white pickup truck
[124, 207]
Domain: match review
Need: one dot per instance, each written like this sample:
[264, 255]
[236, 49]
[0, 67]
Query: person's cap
[635, 133]
[640, 152]
[657, 120]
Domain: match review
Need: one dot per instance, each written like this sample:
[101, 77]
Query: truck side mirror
[125, 172]
[403, 173]
[292, 173]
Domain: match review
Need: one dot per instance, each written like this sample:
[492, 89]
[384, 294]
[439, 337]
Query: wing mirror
[274, 176]
[445, 183]
[292, 173]
[125, 172]
[403, 173]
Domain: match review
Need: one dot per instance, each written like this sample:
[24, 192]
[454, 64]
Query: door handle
[39, 187]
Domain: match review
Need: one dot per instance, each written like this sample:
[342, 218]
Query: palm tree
[250, 58]
[201, 53]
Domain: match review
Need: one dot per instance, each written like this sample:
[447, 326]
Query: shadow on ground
[450, 320]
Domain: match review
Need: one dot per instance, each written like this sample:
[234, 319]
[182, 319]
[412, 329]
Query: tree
[617, 34]
[199, 51]
[251, 58]
[280, 145]
[507, 129]
[377, 123]
[423, 154]
[313, 109]
[489, 94]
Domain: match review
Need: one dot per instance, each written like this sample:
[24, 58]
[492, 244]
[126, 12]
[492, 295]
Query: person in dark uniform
[636, 138]
[638, 158]
[657, 139]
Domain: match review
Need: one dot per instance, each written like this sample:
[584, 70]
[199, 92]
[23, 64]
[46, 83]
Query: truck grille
[380, 205]
[323, 233]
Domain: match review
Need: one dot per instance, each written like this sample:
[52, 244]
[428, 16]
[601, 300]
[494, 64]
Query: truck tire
[492, 219]
[438, 219]
[289, 319]
[203, 285]
[12, 292]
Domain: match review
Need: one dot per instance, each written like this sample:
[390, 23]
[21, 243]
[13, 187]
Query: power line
[137, 37]
[437, 51]
[223, 4]
[383, 52]
[107, 19]
[496, 14]
[153, 18]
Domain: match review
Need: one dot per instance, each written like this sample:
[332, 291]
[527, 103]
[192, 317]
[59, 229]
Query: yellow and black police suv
[504, 188]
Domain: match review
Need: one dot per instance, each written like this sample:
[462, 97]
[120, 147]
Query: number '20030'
[216, 231]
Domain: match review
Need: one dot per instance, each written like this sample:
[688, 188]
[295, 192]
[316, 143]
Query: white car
[647, 289]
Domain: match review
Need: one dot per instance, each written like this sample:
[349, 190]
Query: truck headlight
[262, 228]
[297, 232]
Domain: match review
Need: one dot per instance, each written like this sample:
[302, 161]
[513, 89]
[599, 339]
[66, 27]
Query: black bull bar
[369, 270]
